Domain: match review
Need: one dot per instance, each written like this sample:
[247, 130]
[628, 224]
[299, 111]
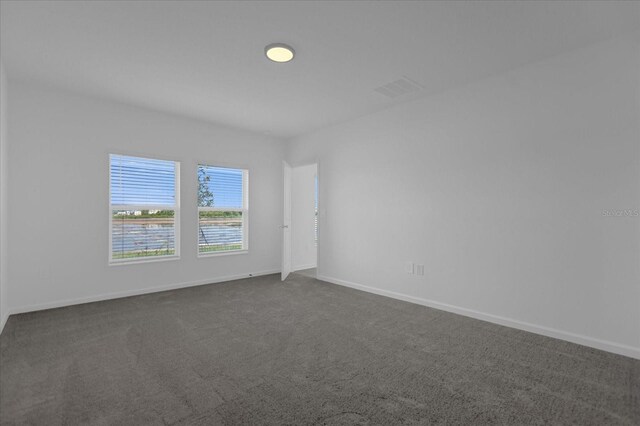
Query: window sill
[146, 260]
[222, 253]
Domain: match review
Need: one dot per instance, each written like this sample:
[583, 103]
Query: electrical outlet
[408, 268]
[419, 269]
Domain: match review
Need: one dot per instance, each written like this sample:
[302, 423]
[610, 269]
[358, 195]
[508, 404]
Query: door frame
[287, 179]
[320, 216]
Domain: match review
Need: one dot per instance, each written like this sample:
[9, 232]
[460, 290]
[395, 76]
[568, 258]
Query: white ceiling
[205, 59]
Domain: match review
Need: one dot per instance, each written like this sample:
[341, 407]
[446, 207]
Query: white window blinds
[222, 210]
[143, 209]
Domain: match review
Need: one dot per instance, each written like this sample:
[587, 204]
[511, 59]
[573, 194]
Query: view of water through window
[143, 237]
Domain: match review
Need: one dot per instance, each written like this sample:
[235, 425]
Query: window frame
[176, 215]
[244, 210]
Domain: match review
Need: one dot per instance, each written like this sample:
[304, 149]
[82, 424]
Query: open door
[286, 222]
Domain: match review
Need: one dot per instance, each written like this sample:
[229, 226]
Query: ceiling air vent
[400, 87]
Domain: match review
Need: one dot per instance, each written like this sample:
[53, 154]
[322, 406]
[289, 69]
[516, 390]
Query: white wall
[4, 311]
[59, 196]
[499, 189]
[304, 250]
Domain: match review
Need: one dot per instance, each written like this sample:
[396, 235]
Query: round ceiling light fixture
[279, 52]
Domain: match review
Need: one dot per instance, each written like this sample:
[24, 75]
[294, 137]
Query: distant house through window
[223, 213]
[144, 209]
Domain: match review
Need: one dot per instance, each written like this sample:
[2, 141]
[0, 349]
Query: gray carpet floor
[259, 351]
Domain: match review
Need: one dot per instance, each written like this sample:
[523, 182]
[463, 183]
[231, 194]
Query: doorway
[303, 220]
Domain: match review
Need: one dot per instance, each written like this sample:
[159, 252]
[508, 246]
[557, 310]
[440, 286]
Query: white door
[286, 222]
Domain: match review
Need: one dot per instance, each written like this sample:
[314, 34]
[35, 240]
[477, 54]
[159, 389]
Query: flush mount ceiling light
[279, 52]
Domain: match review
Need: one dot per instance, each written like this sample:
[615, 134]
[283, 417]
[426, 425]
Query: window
[144, 209]
[222, 210]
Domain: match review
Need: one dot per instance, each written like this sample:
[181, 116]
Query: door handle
[284, 226]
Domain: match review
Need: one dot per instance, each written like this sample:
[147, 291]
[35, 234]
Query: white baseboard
[301, 267]
[604, 345]
[136, 292]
